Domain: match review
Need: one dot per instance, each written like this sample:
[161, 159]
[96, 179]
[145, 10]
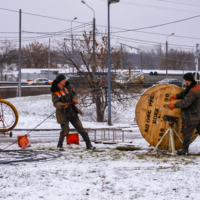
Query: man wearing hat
[190, 109]
[64, 98]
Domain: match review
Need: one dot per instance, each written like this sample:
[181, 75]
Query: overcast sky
[125, 15]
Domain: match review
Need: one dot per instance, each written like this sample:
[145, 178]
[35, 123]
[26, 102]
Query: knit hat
[188, 77]
[60, 77]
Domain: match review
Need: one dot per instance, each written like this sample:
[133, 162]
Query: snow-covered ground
[105, 173]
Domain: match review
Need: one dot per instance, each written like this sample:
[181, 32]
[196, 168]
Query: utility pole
[49, 58]
[19, 76]
[94, 57]
[166, 57]
[72, 44]
[196, 61]
[94, 28]
[141, 62]
[121, 59]
[183, 66]
[167, 52]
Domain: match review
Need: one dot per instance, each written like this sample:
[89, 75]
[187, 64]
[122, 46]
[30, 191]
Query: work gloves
[172, 98]
[74, 101]
[65, 105]
[171, 106]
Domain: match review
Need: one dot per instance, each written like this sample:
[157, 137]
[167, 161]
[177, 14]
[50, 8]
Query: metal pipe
[19, 76]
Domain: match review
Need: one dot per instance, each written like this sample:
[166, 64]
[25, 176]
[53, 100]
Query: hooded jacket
[59, 97]
[190, 105]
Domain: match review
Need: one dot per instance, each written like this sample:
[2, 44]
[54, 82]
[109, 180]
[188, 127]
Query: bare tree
[175, 60]
[8, 54]
[35, 55]
[95, 71]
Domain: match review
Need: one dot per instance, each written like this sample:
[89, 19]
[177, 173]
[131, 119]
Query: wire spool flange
[151, 115]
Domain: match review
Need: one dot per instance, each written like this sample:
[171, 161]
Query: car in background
[121, 79]
[40, 81]
[170, 81]
[76, 80]
[134, 77]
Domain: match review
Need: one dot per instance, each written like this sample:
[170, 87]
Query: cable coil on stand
[151, 118]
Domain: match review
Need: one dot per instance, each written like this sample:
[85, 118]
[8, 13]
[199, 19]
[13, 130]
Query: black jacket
[190, 105]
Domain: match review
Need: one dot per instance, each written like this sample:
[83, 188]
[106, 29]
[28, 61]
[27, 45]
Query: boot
[60, 147]
[184, 150]
[87, 141]
[90, 147]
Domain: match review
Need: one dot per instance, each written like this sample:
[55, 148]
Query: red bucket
[72, 138]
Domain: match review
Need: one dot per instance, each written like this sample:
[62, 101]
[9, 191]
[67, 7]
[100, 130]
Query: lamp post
[72, 41]
[109, 78]
[94, 20]
[167, 52]
[196, 61]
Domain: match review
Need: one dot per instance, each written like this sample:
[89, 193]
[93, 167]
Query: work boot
[60, 147]
[184, 150]
[87, 141]
[89, 146]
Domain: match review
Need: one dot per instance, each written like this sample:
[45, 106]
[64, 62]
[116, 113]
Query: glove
[171, 106]
[74, 101]
[172, 97]
[65, 105]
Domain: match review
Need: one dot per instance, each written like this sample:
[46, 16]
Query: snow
[105, 173]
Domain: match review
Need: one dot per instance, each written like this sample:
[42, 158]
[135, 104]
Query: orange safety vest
[61, 92]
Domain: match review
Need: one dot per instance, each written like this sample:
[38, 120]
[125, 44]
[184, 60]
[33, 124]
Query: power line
[180, 3]
[123, 30]
[157, 7]
[159, 24]
[151, 41]
[178, 36]
[44, 16]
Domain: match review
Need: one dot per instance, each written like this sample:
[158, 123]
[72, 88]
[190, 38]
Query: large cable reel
[151, 115]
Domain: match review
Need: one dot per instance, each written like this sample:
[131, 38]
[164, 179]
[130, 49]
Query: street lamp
[72, 41]
[109, 78]
[167, 52]
[82, 1]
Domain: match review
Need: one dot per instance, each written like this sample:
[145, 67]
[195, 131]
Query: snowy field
[105, 173]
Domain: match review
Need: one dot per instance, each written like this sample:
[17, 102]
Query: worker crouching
[64, 99]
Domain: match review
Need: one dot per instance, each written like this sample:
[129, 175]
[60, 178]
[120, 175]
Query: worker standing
[64, 99]
[190, 109]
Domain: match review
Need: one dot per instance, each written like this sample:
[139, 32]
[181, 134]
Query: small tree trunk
[99, 110]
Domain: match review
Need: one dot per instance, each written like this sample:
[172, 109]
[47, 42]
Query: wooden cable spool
[151, 116]
[144, 95]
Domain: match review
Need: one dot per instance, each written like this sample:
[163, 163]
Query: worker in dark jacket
[190, 109]
[64, 98]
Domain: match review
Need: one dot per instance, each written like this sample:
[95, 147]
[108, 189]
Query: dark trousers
[188, 132]
[75, 121]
